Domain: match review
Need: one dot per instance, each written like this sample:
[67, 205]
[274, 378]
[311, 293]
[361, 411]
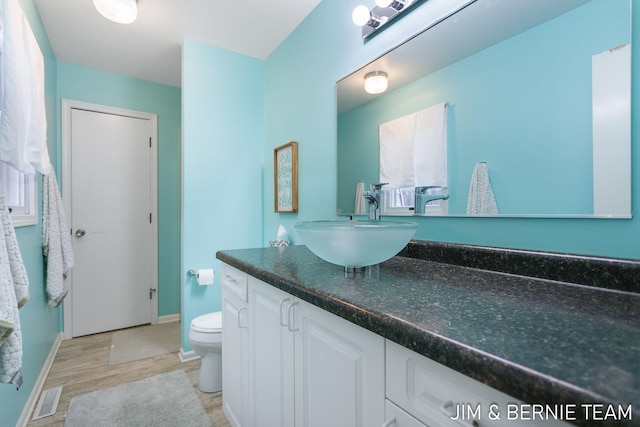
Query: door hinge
[149, 142]
[151, 292]
[150, 213]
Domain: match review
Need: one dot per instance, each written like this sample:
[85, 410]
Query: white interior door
[110, 176]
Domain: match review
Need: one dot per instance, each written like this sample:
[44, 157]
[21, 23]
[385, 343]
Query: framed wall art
[285, 177]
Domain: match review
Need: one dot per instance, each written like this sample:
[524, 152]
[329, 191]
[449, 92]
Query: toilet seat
[208, 323]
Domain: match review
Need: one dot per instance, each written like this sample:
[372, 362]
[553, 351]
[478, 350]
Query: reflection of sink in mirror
[355, 243]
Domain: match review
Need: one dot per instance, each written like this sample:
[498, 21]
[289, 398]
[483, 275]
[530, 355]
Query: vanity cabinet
[305, 367]
[235, 346]
[431, 394]
[289, 363]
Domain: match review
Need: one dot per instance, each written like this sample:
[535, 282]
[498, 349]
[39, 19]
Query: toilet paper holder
[203, 277]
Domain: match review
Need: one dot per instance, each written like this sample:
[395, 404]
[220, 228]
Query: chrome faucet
[422, 198]
[373, 198]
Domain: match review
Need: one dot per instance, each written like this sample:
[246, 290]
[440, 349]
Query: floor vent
[48, 403]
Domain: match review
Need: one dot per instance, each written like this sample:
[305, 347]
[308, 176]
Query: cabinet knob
[446, 409]
[283, 324]
[243, 309]
[289, 312]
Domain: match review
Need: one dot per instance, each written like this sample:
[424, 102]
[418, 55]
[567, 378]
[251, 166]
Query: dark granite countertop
[539, 340]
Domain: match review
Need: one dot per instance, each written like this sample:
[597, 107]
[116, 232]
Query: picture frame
[285, 178]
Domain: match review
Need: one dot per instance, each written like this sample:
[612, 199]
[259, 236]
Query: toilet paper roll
[205, 277]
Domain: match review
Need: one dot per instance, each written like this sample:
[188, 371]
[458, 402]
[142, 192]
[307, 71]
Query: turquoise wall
[39, 322]
[514, 114]
[115, 90]
[300, 105]
[223, 128]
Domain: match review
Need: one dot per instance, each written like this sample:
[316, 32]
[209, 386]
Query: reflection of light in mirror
[376, 82]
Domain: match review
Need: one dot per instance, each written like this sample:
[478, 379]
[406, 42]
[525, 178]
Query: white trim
[32, 401]
[611, 123]
[67, 106]
[187, 356]
[169, 318]
[30, 218]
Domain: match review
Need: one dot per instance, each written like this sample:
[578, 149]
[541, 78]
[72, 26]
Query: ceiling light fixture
[376, 82]
[120, 11]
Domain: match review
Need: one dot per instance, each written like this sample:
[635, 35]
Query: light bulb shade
[383, 3]
[120, 11]
[375, 82]
[396, 5]
[361, 15]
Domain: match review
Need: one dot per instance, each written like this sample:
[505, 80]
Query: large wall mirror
[536, 90]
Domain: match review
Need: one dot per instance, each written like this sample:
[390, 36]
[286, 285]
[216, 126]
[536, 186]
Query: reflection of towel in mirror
[413, 149]
[56, 242]
[481, 200]
[14, 293]
[358, 207]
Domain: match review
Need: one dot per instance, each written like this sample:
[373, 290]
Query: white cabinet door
[271, 350]
[339, 371]
[235, 348]
[306, 367]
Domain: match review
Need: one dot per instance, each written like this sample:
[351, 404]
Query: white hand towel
[14, 293]
[56, 241]
[481, 200]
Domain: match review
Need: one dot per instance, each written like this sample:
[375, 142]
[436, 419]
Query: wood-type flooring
[82, 365]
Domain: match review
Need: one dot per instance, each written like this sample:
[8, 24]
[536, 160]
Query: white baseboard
[169, 318]
[37, 387]
[187, 356]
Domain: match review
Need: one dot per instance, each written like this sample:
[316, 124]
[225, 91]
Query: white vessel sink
[355, 243]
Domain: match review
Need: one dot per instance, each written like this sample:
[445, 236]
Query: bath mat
[164, 400]
[144, 341]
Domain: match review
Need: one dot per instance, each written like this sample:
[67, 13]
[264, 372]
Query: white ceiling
[150, 48]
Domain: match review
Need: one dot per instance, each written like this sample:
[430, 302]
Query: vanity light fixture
[375, 19]
[120, 11]
[396, 5]
[363, 17]
[376, 82]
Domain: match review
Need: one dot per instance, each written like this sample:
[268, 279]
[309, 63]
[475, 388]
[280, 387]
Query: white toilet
[205, 336]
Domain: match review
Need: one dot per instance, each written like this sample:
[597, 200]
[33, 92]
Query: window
[400, 201]
[20, 195]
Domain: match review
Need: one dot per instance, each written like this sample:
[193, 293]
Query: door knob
[80, 232]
